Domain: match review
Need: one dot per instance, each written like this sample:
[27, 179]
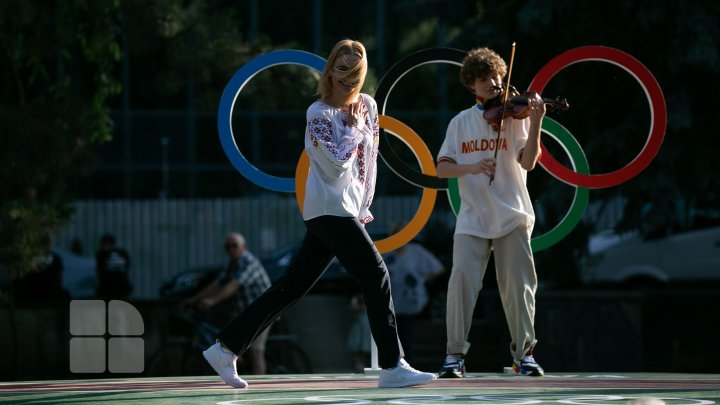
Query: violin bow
[504, 105]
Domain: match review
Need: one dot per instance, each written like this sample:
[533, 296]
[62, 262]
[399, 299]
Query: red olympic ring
[658, 115]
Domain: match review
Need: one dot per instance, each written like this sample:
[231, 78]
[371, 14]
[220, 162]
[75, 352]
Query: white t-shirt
[489, 211]
[343, 162]
[409, 271]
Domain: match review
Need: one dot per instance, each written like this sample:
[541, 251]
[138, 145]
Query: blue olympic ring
[227, 102]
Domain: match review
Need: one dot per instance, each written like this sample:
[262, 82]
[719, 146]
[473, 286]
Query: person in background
[242, 282]
[411, 267]
[112, 265]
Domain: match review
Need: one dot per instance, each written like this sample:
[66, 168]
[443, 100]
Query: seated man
[243, 280]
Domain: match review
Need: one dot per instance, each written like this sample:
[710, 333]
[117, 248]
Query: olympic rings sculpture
[579, 176]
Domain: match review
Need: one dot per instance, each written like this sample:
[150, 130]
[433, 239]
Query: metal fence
[165, 237]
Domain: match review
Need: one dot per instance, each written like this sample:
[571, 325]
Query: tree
[58, 64]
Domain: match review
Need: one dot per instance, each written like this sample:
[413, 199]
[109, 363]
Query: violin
[517, 106]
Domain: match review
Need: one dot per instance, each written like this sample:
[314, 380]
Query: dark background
[113, 100]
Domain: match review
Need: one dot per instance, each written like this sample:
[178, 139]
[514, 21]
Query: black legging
[326, 237]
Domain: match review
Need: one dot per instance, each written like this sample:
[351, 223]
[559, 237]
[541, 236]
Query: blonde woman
[341, 140]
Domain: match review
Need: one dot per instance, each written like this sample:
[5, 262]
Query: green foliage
[184, 52]
[30, 222]
[60, 70]
[59, 63]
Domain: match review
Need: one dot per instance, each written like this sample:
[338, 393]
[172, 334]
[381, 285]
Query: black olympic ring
[385, 86]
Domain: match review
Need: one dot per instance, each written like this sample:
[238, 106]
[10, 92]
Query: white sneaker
[403, 376]
[223, 362]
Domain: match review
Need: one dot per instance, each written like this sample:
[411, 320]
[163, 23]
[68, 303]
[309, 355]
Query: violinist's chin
[494, 92]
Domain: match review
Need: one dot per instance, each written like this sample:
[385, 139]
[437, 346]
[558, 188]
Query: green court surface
[500, 389]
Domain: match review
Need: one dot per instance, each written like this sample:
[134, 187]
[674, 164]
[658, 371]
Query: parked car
[682, 258]
[188, 283]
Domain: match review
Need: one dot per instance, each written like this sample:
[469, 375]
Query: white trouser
[517, 283]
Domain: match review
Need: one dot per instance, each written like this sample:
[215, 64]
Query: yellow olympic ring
[427, 166]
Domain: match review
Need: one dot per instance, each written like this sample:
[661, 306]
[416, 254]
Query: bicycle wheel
[286, 357]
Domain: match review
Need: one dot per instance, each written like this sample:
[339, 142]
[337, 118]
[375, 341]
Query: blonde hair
[479, 63]
[344, 47]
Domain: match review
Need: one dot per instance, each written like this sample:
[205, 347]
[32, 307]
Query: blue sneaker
[454, 367]
[528, 366]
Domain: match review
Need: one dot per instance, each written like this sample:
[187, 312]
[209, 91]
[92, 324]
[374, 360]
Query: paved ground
[486, 389]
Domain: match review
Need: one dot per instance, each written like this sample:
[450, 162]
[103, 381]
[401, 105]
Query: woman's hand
[355, 115]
